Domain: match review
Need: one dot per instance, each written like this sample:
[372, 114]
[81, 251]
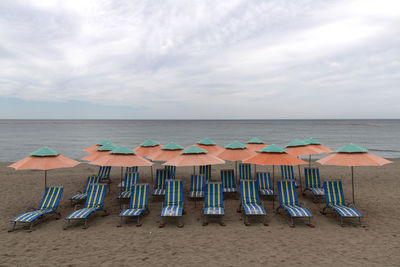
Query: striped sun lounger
[228, 181]
[81, 195]
[197, 186]
[173, 201]
[213, 203]
[139, 203]
[159, 184]
[131, 178]
[48, 205]
[334, 198]
[94, 202]
[244, 171]
[131, 169]
[171, 171]
[206, 171]
[250, 202]
[288, 201]
[104, 172]
[264, 184]
[313, 183]
[288, 174]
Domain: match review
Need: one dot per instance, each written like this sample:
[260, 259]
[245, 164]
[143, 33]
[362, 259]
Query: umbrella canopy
[44, 159]
[96, 146]
[255, 144]
[147, 147]
[235, 151]
[121, 157]
[298, 148]
[100, 152]
[274, 155]
[209, 145]
[167, 152]
[194, 156]
[316, 145]
[352, 156]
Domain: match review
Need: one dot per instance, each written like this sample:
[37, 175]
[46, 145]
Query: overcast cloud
[200, 59]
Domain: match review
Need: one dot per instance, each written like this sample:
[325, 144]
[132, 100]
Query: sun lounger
[244, 171]
[104, 172]
[47, 206]
[288, 174]
[171, 171]
[313, 183]
[94, 202]
[131, 169]
[228, 181]
[138, 204]
[173, 201]
[197, 186]
[288, 201]
[206, 171]
[81, 195]
[159, 184]
[213, 203]
[250, 202]
[131, 178]
[264, 184]
[334, 198]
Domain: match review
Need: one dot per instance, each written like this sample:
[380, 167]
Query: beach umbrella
[100, 152]
[274, 155]
[255, 144]
[44, 159]
[147, 147]
[352, 155]
[235, 151]
[316, 145]
[96, 146]
[209, 145]
[167, 152]
[121, 157]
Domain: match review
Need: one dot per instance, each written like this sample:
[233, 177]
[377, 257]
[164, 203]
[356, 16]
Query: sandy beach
[376, 243]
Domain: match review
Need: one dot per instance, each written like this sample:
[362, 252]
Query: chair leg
[309, 223]
[222, 223]
[162, 224]
[180, 223]
[85, 226]
[205, 220]
[323, 212]
[341, 221]
[138, 224]
[66, 225]
[120, 222]
[265, 220]
[246, 220]
[12, 228]
[291, 222]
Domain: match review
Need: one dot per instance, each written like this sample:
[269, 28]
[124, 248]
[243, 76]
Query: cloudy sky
[199, 59]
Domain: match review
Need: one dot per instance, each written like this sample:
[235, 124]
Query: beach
[376, 242]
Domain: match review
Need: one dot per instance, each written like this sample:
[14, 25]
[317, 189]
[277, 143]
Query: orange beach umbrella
[96, 146]
[194, 156]
[351, 156]
[44, 159]
[316, 145]
[209, 145]
[100, 152]
[167, 152]
[147, 147]
[255, 144]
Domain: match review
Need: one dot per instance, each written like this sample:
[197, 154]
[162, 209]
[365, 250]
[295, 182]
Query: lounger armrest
[30, 209]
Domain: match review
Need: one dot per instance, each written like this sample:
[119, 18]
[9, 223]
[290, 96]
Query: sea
[18, 138]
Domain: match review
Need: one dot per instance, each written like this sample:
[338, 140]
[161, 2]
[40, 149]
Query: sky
[232, 59]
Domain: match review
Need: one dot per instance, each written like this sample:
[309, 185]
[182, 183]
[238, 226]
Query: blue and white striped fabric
[90, 180]
[104, 172]
[94, 201]
[173, 201]
[131, 169]
[264, 183]
[131, 178]
[171, 171]
[228, 181]
[206, 171]
[335, 199]
[313, 182]
[159, 184]
[139, 200]
[49, 204]
[249, 198]
[213, 203]
[197, 186]
[287, 173]
[288, 199]
[244, 171]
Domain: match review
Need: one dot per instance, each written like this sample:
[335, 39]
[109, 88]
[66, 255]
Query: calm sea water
[20, 137]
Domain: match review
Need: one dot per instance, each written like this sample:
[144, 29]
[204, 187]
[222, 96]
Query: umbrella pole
[151, 174]
[301, 183]
[309, 161]
[194, 170]
[120, 188]
[45, 180]
[255, 170]
[236, 170]
[273, 186]
[352, 182]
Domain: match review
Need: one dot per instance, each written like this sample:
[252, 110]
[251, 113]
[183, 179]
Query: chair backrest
[171, 171]
[287, 172]
[131, 178]
[334, 193]
[287, 192]
[228, 178]
[91, 180]
[104, 171]
[311, 176]
[249, 192]
[131, 169]
[51, 198]
[173, 193]
[161, 176]
[244, 171]
[206, 171]
[140, 196]
[264, 180]
[213, 195]
[197, 183]
[95, 196]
